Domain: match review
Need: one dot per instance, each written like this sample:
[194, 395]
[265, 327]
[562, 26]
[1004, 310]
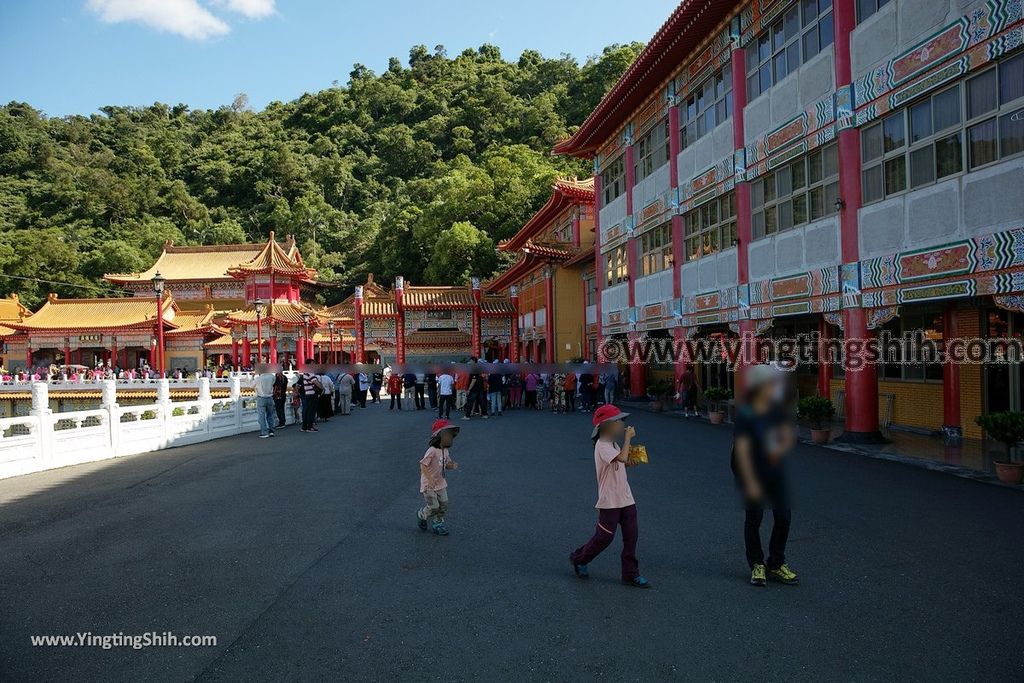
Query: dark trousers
[531, 399]
[570, 401]
[476, 399]
[396, 400]
[585, 392]
[604, 534]
[361, 398]
[777, 542]
[420, 403]
[445, 404]
[432, 395]
[309, 404]
[279, 407]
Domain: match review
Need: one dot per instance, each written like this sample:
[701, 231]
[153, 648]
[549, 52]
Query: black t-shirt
[762, 431]
[494, 382]
[408, 380]
[475, 383]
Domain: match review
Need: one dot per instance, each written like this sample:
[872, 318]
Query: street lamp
[258, 304]
[330, 329]
[158, 287]
[305, 332]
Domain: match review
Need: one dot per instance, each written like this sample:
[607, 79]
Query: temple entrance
[1004, 384]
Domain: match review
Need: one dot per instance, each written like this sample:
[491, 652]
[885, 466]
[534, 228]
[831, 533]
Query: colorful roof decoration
[273, 258]
[688, 26]
[287, 313]
[98, 314]
[565, 193]
[496, 305]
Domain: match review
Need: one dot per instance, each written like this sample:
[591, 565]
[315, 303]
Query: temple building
[774, 167]
[553, 277]
[431, 323]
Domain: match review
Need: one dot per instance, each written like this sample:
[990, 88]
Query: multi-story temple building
[776, 166]
[553, 274]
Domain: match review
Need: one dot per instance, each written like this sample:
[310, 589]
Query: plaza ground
[300, 553]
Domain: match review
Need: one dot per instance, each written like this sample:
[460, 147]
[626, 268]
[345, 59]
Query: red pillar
[234, 353]
[576, 226]
[638, 370]
[824, 367]
[113, 352]
[678, 255]
[246, 351]
[549, 313]
[598, 261]
[360, 349]
[273, 348]
[477, 347]
[950, 376]
[861, 385]
[514, 325]
[67, 353]
[300, 350]
[400, 320]
[28, 357]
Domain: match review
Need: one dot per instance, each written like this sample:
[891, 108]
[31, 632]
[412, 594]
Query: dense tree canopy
[417, 171]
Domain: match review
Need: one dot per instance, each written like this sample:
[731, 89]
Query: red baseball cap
[441, 425]
[606, 413]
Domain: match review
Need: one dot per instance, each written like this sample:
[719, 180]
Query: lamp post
[330, 352]
[305, 330]
[158, 287]
[258, 304]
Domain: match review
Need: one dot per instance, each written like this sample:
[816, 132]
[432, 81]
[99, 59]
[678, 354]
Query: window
[615, 267]
[797, 193]
[656, 250]
[710, 227]
[865, 8]
[920, 335]
[963, 127]
[613, 180]
[652, 151]
[705, 108]
[589, 290]
[563, 233]
[801, 33]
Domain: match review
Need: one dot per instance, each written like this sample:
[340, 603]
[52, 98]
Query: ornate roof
[286, 313]
[437, 297]
[438, 338]
[565, 193]
[98, 314]
[378, 307]
[272, 258]
[690, 24]
[12, 309]
[495, 305]
[193, 263]
[196, 323]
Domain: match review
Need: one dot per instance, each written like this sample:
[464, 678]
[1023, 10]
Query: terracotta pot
[716, 417]
[1010, 472]
[821, 436]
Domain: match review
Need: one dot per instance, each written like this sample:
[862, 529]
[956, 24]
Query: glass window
[981, 94]
[865, 8]
[982, 141]
[656, 250]
[613, 180]
[615, 269]
[652, 151]
[1011, 79]
[804, 30]
[804, 190]
[706, 107]
[710, 227]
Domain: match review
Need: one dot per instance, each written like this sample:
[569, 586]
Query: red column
[824, 368]
[28, 357]
[678, 256]
[273, 348]
[549, 314]
[113, 352]
[360, 349]
[638, 370]
[576, 226]
[67, 353]
[950, 376]
[598, 261]
[161, 349]
[234, 353]
[300, 350]
[400, 320]
[514, 326]
[743, 219]
[246, 351]
[861, 385]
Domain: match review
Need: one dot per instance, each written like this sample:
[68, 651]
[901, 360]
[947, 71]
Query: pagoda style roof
[379, 307]
[437, 297]
[192, 323]
[288, 313]
[273, 258]
[565, 193]
[692, 22]
[223, 341]
[496, 305]
[98, 314]
[11, 308]
[438, 338]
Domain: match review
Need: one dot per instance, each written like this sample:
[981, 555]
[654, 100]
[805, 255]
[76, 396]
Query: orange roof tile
[97, 314]
[209, 262]
[283, 312]
[379, 307]
[437, 297]
[196, 322]
[496, 304]
[11, 308]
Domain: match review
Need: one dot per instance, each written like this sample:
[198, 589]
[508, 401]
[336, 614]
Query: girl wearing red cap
[615, 503]
[433, 484]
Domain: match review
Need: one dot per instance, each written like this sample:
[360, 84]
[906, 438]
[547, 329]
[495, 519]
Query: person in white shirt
[343, 390]
[326, 401]
[445, 394]
[265, 412]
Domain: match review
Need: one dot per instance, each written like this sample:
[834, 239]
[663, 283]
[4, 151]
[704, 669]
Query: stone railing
[19, 384]
[44, 439]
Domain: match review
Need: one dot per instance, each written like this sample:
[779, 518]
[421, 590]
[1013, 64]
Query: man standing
[280, 396]
[265, 400]
[364, 386]
[421, 386]
[586, 389]
[343, 389]
[446, 394]
[310, 391]
[409, 385]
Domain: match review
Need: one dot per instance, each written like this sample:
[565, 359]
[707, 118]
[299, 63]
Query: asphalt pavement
[301, 555]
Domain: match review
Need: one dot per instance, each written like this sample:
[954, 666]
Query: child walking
[433, 484]
[615, 504]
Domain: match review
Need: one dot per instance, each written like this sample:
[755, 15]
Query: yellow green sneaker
[784, 575]
[757, 575]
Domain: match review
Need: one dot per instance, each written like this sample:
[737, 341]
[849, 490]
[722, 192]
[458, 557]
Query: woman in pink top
[615, 503]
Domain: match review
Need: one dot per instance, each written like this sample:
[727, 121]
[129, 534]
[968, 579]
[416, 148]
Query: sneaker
[272, 433]
[638, 582]
[757, 575]
[264, 436]
[580, 570]
[465, 417]
[440, 529]
[784, 575]
[422, 523]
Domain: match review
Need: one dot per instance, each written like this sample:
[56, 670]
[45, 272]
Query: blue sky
[73, 56]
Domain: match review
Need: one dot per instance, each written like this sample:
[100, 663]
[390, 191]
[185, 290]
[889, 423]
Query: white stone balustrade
[44, 439]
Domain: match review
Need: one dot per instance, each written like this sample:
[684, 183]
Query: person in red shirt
[395, 390]
[570, 392]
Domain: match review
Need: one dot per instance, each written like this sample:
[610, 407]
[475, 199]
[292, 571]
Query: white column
[109, 403]
[163, 400]
[41, 411]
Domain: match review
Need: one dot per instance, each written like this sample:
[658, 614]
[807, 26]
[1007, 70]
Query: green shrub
[817, 410]
[1007, 428]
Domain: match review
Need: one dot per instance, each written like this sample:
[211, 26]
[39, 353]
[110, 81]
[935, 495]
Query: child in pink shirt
[615, 503]
[433, 484]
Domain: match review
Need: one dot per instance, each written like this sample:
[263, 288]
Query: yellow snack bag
[637, 454]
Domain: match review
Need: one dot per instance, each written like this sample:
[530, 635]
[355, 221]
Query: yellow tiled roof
[437, 297]
[11, 308]
[379, 307]
[285, 312]
[97, 314]
[273, 258]
[190, 322]
[193, 263]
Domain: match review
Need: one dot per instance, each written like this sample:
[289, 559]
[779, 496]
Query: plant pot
[820, 436]
[716, 417]
[657, 406]
[1010, 472]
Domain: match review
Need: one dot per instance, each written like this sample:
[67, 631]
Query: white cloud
[187, 18]
[253, 9]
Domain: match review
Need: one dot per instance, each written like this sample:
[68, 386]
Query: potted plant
[658, 393]
[715, 396]
[818, 411]
[1008, 429]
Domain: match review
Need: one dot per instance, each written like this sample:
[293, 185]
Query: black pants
[570, 401]
[776, 497]
[361, 398]
[531, 399]
[396, 399]
[445, 403]
[279, 407]
[420, 403]
[309, 404]
[476, 399]
[585, 392]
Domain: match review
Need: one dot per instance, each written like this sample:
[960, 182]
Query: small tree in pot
[714, 397]
[658, 393]
[818, 411]
[1008, 429]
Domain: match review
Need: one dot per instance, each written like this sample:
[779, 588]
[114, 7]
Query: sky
[74, 56]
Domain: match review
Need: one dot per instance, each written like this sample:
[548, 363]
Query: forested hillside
[417, 171]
